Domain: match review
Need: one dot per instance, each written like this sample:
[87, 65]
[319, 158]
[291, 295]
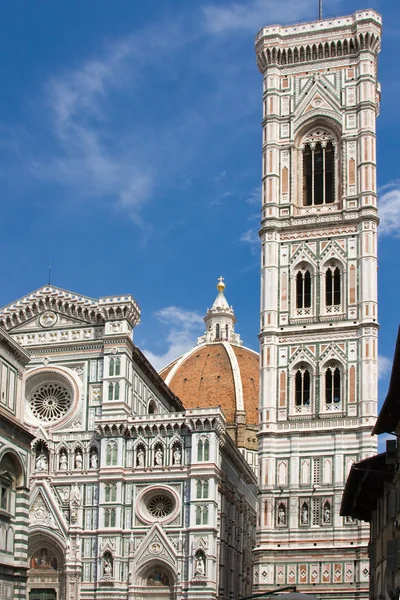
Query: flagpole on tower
[320, 10]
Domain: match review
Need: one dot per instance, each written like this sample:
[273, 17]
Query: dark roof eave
[364, 485]
[389, 415]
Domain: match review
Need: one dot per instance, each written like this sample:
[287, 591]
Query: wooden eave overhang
[365, 484]
[389, 415]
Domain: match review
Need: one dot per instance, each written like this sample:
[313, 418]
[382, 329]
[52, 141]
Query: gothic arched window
[318, 169]
[333, 286]
[303, 289]
[111, 454]
[302, 384]
[217, 331]
[332, 385]
[111, 365]
[117, 366]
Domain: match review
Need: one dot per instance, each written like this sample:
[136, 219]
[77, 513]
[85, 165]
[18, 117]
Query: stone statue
[63, 465]
[93, 460]
[41, 462]
[177, 456]
[200, 567]
[140, 457]
[327, 514]
[281, 516]
[107, 569]
[304, 515]
[158, 457]
[75, 494]
[78, 461]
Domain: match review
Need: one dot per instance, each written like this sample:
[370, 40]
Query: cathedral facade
[131, 495]
[318, 340]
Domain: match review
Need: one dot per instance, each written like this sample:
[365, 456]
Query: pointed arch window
[333, 294]
[111, 367]
[302, 382]
[117, 366]
[111, 454]
[332, 385]
[303, 289]
[203, 450]
[318, 169]
[217, 331]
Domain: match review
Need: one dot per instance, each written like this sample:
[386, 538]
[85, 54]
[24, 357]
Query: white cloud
[251, 15]
[384, 366]
[251, 238]
[184, 328]
[255, 196]
[389, 209]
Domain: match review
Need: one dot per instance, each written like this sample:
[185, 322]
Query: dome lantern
[220, 320]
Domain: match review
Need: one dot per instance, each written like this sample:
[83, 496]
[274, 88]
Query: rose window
[160, 506]
[50, 401]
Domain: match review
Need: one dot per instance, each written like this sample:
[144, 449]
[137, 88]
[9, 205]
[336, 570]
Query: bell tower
[318, 329]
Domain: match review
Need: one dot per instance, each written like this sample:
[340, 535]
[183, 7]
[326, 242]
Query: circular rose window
[160, 506]
[159, 503]
[50, 401]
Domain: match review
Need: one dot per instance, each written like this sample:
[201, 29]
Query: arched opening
[46, 564]
[333, 392]
[156, 582]
[333, 286]
[152, 409]
[302, 380]
[318, 167]
[303, 289]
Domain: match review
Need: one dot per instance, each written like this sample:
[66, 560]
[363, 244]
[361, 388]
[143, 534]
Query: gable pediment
[52, 308]
[44, 510]
[317, 99]
[156, 545]
[56, 319]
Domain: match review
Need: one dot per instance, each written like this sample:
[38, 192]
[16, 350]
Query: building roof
[219, 371]
[389, 415]
[364, 486]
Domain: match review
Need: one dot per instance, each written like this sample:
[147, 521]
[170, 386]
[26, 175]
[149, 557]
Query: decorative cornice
[83, 308]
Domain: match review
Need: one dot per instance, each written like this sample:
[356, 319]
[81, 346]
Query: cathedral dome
[220, 371]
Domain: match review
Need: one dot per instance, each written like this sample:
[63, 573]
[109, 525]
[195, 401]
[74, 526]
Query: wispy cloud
[251, 238]
[251, 15]
[184, 328]
[384, 366]
[389, 209]
[255, 196]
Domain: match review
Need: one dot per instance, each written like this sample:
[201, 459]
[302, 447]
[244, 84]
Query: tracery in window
[333, 292]
[109, 517]
[302, 387]
[111, 454]
[303, 289]
[203, 450]
[318, 168]
[332, 385]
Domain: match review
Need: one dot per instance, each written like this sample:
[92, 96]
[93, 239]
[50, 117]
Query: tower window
[318, 170]
[303, 289]
[333, 286]
[217, 331]
[302, 387]
[332, 385]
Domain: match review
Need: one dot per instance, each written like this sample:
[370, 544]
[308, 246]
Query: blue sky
[130, 156]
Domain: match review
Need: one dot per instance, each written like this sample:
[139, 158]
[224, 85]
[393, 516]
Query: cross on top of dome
[220, 320]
